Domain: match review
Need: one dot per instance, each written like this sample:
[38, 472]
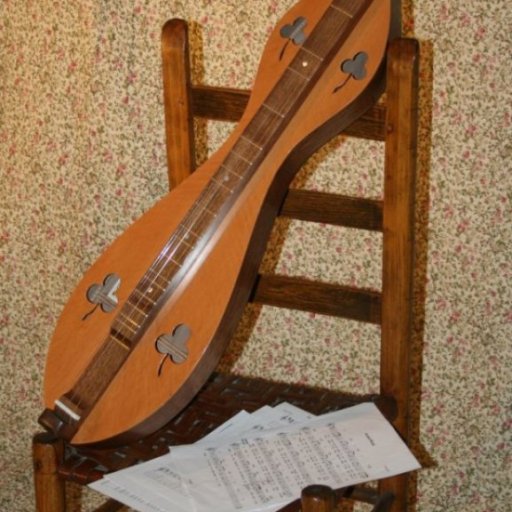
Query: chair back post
[179, 131]
[398, 240]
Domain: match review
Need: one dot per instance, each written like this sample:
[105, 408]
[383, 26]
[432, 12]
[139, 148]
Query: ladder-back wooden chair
[224, 395]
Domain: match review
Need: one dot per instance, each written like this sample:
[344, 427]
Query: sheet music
[133, 498]
[260, 462]
[158, 479]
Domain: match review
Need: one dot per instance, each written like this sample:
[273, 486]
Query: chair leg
[397, 486]
[318, 498]
[49, 488]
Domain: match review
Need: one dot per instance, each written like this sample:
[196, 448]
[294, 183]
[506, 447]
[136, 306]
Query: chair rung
[316, 297]
[219, 103]
[225, 104]
[382, 502]
[352, 212]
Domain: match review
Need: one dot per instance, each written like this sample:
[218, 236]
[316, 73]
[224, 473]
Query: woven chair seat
[221, 398]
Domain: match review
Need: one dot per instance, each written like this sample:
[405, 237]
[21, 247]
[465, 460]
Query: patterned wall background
[82, 155]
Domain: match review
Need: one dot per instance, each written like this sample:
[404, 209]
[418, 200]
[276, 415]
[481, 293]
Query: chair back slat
[317, 297]
[223, 104]
[336, 209]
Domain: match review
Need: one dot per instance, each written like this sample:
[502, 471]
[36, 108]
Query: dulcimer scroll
[148, 322]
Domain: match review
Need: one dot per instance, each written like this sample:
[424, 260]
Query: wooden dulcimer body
[150, 319]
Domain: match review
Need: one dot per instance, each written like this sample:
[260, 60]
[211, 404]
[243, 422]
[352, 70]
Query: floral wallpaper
[82, 154]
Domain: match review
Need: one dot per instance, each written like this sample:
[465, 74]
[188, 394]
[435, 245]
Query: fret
[284, 96]
[142, 299]
[153, 272]
[130, 315]
[156, 278]
[214, 198]
[123, 329]
[228, 178]
[223, 181]
[197, 224]
[351, 7]
[332, 24]
[247, 147]
[138, 307]
[234, 152]
[185, 240]
[174, 255]
[185, 233]
[296, 70]
[264, 124]
[202, 221]
[155, 287]
[189, 235]
[172, 260]
[243, 138]
[147, 293]
[264, 105]
[306, 63]
[209, 211]
[232, 170]
[342, 10]
[303, 49]
[236, 164]
[129, 323]
[111, 357]
[118, 338]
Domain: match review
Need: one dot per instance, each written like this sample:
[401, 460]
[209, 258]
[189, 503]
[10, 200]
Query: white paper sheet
[262, 461]
[159, 480]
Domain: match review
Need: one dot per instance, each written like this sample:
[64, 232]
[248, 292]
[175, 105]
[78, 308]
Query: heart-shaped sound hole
[293, 32]
[104, 295]
[356, 66]
[174, 344]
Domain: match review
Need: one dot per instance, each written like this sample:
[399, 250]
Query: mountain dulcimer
[150, 319]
